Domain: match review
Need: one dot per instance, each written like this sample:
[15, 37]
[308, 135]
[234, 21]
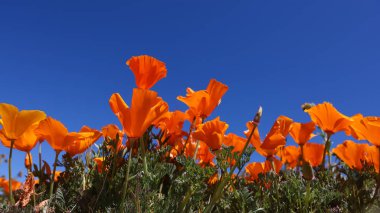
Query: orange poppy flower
[57, 174]
[203, 102]
[289, 155]
[147, 70]
[277, 134]
[236, 141]
[213, 179]
[302, 132]
[99, 164]
[146, 108]
[371, 157]
[256, 141]
[89, 137]
[204, 155]
[56, 134]
[329, 119]
[171, 126]
[351, 153]
[212, 133]
[110, 131]
[366, 128]
[15, 122]
[254, 169]
[313, 153]
[5, 185]
[26, 142]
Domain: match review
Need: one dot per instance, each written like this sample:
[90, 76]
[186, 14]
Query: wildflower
[302, 132]
[329, 119]
[78, 146]
[351, 153]
[212, 133]
[203, 102]
[110, 132]
[146, 108]
[313, 153]
[147, 70]
[289, 155]
[277, 134]
[366, 128]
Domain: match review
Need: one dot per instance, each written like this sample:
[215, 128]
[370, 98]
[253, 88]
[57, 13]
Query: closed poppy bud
[28, 160]
[307, 171]
[307, 106]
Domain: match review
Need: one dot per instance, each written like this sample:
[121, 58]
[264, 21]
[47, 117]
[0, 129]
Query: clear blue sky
[67, 58]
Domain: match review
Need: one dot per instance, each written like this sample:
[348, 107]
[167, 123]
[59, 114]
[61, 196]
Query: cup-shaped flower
[147, 70]
[313, 153]
[277, 134]
[302, 132]
[212, 133]
[202, 103]
[351, 153]
[145, 109]
[366, 128]
[171, 126]
[110, 132]
[16, 122]
[88, 137]
[289, 155]
[26, 142]
[372, 157]
[57, 135]
[329, 119]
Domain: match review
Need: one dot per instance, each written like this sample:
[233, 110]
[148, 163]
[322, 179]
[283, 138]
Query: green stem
[126, 179]
[11, 199]
[327, 149]
[142, 147]
[224, 179]
[53, 174]
[196, 151]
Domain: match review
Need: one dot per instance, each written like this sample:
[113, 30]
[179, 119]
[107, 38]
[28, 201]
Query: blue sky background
[67, 58]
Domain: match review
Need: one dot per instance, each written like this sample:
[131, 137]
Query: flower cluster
[147, 126]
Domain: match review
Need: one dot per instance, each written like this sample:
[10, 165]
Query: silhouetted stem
[53, 174]
[10, 173]
[126, 179]
[224, 179]
[142, 147]
[327, 149]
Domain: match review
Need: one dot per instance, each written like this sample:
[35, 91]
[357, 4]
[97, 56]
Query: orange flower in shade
[109, 132]
[57, 174]
[99, 164]
[5, 185]
[351, 153]
[277, 134]
[302, 132]
[313, 153]
[213, 179]
[236, 141]
[254, 169]
[204, 155]
[212, 133]
[147, 70]
[146, 108]
[289, 155]
[15, 122]
[56, 134]
[366, 128]
[78, 146]
[329, 119]
[26, 142]
[171, 126]
[203, 102]
[371, 157]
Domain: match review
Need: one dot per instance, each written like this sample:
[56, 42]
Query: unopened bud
[307, 106]
[258, 115]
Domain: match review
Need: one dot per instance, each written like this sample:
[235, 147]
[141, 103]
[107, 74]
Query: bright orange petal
[328, 118]
[313, 153]
[147, 70]
[302, 132]
[351, 153]
[88, 137]
[211, 132]
[277, 135]
[54, 132]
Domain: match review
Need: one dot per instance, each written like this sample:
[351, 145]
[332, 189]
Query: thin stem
[224, 179]
[53, 174]
[327, 148]
[188, 137]
[11, 199]
[142, 147]
[126, 179]
[196, 150]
